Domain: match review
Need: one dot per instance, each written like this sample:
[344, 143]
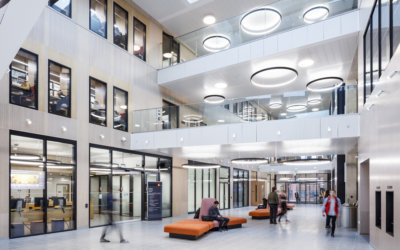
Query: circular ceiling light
[220, 85]
[214, 99]
[200, 166]
[248, 161]
[314, 101]
[325, 84]
[296, 107]
[215, 43]
[310, 162]
[275, 105]
[273, 77]
[209, 19]
[315, 14]
[260, 21]
[306, 63]
[192, 119]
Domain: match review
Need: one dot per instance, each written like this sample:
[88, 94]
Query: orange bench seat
[261, 213]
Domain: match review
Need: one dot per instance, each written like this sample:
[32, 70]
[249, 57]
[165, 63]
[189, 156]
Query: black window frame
[241, 175]
[105, 97]
[136, 20]
[69, 90]
[127, 108]
[36, 82]
[90, 20]
[45, 139]
[378, 209]
[226, 206]
[70, 9]
[127, 24]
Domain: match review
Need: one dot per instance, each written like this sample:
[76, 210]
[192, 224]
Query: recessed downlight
[221, 121]
[296, 107]
[315, 109]
[215, 43]
[136, 47]
[214, 99]
[273, 77]
[315, 14]
[306, 63]
[314, 101]
[325, 84]
[220, 85]
[260, 21]
[275, 105]
[167, 55]
[209, 19]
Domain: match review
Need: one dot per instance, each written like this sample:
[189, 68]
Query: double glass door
[303, 193]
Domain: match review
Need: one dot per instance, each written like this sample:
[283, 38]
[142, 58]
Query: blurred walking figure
[273, 201]
[111, 224]
[284, 209]
[331, 208]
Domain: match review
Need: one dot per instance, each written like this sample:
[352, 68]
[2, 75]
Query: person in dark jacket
[273, 201]
[283, 208]
[215, 215]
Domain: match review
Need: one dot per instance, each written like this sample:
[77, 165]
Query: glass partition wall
[121, 176]
[240, 188]
[42, 184]
[202, 184]
[224, 187]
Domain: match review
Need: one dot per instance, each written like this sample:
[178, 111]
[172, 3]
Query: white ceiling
[223, 154]
[332, 58]
[180, 17]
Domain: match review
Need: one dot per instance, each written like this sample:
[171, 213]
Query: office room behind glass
[98, 102]
[98, 17]
[59, 89]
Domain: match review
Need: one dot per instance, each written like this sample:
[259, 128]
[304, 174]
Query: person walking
[284, 209]
[111, 224]
[332, 208]
[273, 201]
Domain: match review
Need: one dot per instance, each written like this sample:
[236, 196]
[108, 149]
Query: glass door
[312, 192]
[293, 192]
[303, 193]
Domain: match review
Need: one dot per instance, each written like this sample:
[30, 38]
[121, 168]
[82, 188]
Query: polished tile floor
[304, 231]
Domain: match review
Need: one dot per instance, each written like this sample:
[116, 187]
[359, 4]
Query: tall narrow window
[396, 25]
[170, 50]
[62, 6]
[120, 27]
[120, 109]
[24, 79]
[389, 213]
[378, 220]
[139, 39]
[59, 89]
[98, 102]
[98, 17]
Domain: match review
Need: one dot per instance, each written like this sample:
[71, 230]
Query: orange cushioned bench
[193, 229]
[261, 213]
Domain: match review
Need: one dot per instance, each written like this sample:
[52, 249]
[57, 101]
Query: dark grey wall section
[340, 184]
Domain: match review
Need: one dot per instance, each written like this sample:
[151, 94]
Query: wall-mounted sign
[154, 200]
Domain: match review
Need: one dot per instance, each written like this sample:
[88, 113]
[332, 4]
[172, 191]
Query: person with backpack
[331, 208]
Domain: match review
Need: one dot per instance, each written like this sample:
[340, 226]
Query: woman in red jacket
[331, 208]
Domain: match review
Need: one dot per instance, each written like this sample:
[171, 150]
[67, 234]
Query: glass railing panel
[291, 12]
[292, 105]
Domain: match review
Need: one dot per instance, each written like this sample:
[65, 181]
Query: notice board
[154, 200]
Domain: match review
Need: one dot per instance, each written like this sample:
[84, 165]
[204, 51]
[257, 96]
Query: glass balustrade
[290, 105]
[276, 17]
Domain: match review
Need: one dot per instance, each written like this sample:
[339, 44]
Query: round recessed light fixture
[167, 55]
[205, 166]
[221, 121]
[296, 107]
[275, 105]
[315, 109]
[314, 101]
[273, 77]
[315, 14]
[209, 19]
[220, 85]
[325, 84]
[192, 119]
[283, 114]
[260, 21]
[214, 99]
[215, 43]
[248, 161]
[136, 47]
[306, 63]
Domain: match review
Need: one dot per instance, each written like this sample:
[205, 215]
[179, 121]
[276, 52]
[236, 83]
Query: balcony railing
[253, 109]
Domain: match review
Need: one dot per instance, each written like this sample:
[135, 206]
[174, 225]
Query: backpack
[197, 214]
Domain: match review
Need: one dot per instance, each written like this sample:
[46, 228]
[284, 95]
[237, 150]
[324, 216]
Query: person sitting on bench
[215, 215]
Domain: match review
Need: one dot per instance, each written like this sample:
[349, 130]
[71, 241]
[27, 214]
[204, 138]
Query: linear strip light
[191, 166]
